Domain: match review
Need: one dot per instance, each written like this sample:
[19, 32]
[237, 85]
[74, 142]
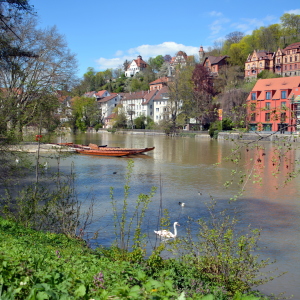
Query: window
[268, 105]
[253, 117]
[283, 117]
[283, 104]
[291, 59]
[267, 117]
[296, 58]
[253, 106]
[283, 94]
[157, 109]
[150, 106]
[291, 67]
[253, 96]
[268, 95]
[267, 127]
[285, 60]
[295, 67]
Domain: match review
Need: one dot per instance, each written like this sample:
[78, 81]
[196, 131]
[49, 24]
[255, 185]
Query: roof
[292, 46]
[276, 84]
[164, 90]
[216, 59]
[159, 80]
[139, 62]
[145, 95]
[101, 93]
[106, 99]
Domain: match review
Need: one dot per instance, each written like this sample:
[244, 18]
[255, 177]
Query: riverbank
[256, 136]
[41, 147]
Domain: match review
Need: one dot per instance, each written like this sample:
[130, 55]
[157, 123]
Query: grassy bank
[38, 265]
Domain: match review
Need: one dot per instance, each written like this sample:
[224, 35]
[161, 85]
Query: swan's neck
[175, 230]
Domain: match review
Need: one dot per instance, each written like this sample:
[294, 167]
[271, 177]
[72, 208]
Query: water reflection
[182, 167]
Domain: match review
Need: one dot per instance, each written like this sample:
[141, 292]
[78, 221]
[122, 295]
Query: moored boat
[93, 149]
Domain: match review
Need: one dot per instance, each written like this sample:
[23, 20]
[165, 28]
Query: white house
[137, 104]
[108, 104]
[136, 66]
[160, 105]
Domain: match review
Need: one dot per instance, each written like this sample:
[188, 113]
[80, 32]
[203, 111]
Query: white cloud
[146, 51]
[293, 11]
[119, 53]
[215, 13]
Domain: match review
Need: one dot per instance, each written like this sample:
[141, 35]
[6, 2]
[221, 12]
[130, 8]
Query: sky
[103, 34]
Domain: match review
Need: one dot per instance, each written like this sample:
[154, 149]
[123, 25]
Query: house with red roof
[102, 94]
[159, 83]
[274, 105]
[136, 66]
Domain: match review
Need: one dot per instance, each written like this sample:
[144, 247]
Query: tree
[164, 70]
[291, 26]
[180, 91]
[167, 58]
[29, 80]
[233, 103]
[126, 65]
[85, 112]
[203, 93]
[120, 120]
[156, 63]
[234, 37]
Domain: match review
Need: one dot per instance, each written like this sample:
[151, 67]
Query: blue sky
[104, 33]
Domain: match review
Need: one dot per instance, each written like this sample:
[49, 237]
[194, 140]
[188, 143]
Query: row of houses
[152, 103]
[284, 62]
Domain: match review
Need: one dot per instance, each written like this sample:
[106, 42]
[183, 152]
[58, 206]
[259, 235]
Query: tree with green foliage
[85, 113]
[180, 92]
[120, 118]
[291, 26]
[156, 63]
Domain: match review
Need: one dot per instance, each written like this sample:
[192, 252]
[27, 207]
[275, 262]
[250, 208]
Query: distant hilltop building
[136, 66]
[284, 62]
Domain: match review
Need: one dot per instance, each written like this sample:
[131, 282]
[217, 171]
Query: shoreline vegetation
[44, 256]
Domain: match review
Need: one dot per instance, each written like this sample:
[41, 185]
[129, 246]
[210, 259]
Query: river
[184, 170]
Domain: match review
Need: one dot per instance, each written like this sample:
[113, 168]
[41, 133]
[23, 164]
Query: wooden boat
[103, 153]
[93, 149]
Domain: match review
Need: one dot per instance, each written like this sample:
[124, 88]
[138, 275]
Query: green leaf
[42, 296]
[80, 291]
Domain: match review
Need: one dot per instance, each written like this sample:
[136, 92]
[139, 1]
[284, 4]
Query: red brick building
[214, 63]
[274, 105]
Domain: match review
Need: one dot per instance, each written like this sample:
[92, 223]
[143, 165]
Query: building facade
[137, 104]
[214, 64]
[284, 62]
[274, 105]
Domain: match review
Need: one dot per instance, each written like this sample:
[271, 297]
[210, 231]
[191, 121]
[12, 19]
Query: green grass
[37, 265]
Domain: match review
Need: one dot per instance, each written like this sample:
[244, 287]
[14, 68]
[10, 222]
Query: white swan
[181, 204]
[166, 234]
